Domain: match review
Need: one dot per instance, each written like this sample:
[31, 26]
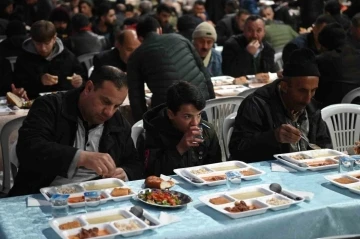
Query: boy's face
[186, 117]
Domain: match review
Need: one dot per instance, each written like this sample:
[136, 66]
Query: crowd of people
[79, 134]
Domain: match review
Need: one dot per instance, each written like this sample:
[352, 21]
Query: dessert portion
[240, 207]
[118, 192]
[219, 200]
[69, 225]
[89, 233]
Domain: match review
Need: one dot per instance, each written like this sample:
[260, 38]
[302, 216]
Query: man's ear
[159, 31]
[170, 114]
[284, 86]
[89, 86]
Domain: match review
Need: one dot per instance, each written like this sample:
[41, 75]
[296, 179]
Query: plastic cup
[233, 180]
[59, 205]
[346, 164]
[92, 201]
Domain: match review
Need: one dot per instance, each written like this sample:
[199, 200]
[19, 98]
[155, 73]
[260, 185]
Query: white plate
[81, 218]
[213, 169]
[259, 201]
[331, 178]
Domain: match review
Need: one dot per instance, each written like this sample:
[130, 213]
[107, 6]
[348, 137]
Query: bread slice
[13, 99]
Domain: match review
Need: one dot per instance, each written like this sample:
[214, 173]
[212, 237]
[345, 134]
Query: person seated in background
[204, 38]
[45, 65]
[34, 10]
[6, 10]
[105, 24]
[87, 7]
[15, 36]
[277, 34]
[83, 40]
[163, 14]
[126, 43]
[333, 8]
[248, 53]
[160, 61]
[338, 66]
[60, 17]
[145, 8]
[231, 25]
[186, 25]
[307, 40]
[173, 133]
[77, 136]
[200, 11]
[273, 119]
[353, 36]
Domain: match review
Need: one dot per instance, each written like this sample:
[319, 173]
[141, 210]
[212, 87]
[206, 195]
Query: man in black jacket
[231, 25]
[248, 54]
[77, 136]
[338, 66]
[160, 61]
[45, 65]
[273, 119]
[173, 136]
[125, 44]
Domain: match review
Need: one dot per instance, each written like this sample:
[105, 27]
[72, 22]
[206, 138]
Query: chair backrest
[278, 60]
[247, 92]
[6, 131]
[228, 128]
[91, 69]
[87, 59]
[350, 96]
[12, 60]
[136, 130]
[343, 122]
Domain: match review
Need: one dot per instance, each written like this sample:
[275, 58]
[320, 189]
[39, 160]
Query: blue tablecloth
[333, 211]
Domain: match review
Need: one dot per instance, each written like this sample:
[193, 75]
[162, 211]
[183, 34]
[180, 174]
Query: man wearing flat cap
[272, 119]
[204, 37]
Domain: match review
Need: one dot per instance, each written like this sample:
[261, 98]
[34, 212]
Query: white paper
[306, 195]
[167, 178]
[34, 202]
[166, 218]
[281, 168]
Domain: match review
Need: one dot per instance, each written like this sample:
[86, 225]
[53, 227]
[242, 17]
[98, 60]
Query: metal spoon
[275, 187]
[312, 146]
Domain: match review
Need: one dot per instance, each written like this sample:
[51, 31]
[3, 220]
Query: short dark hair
[324, 19]
[333, 7]
[42, 31]
[182, 93]
[104, 9]
[87, 2]
[79, 21]
[129, 8]
[199, 2]
[59, 14]
[162, 7]
[147, 25]
[242, 12]
[263, 8]
[108, 73]
[253, 18]
[355, 20]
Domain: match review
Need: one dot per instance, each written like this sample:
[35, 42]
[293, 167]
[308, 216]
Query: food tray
[222, 80]
[198, 173]
[353, 178]
[261, 194]
[86, 186]
[303, 159]
[125, 214]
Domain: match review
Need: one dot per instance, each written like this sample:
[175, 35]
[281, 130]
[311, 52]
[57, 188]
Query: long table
[332, 211]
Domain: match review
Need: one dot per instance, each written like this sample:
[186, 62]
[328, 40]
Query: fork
[312, 146]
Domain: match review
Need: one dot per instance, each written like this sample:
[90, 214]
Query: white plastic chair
[12, 60]
[247, 92]
[278, 60]
[350, 96]
[8, 165]
[343, 122]
[217, 110]
[87, 59]
[91, 69]
[228, 128]
[136, 130]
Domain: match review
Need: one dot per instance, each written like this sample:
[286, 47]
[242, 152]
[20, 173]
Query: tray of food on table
[312, 160]
[349, 180]
[129, 221]
[214, 174]
[110, 189]
[250, 201]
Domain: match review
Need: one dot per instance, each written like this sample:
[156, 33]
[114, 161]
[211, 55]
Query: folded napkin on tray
[37, 201]
[167, 178]
[166, 218]
[275, 167]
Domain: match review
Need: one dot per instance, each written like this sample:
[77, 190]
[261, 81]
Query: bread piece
[13, 99]
[156, 182]
[117, 192]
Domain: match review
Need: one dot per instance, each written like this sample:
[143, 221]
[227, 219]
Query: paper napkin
[281, 168]
[166, 218]
[306, 195]
[167, 178]
[37, 202]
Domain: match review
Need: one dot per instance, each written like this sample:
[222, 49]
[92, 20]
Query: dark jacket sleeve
[203, 69]
[130, 161]
[96, 61]
[136, 88]
[221, 31]
[5, 76]
[37, 138]
[78, 68]
[214, 150]
[251, 139]
[234, 59]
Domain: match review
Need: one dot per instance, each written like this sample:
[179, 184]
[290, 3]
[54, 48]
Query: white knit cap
[205, 30]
